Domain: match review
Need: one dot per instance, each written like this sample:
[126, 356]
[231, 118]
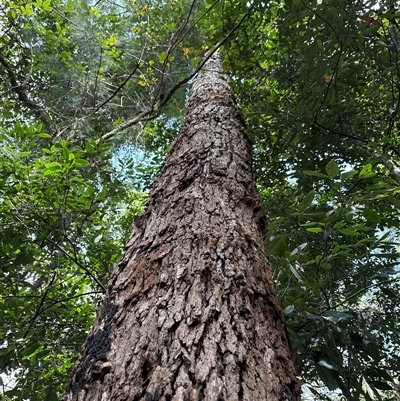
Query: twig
[120, 86]
[151, 113]
[73, 258]
[42, 299]
[23, 97]
[368, 287]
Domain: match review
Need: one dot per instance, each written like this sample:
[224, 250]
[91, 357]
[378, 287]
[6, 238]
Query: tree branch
[388, 164]
[73, 258]
[152, 113]
[39, 307]
[368, 287]
[340, 133]
[120, 86]
[362, 142]
[37, 110]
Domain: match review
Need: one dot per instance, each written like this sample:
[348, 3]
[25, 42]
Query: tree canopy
[92, 93]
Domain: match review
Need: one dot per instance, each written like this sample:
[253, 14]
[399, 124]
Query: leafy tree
[318, 82]
[191, 311]
[320, 97]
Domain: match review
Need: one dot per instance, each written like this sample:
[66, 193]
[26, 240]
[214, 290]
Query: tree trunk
[191, 312]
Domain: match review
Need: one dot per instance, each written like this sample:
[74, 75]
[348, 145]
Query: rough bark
[191, 312]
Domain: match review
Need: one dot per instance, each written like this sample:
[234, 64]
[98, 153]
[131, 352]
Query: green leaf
[316, 174]
[98, 238]
[288, 310]
[371, 215]
[296, 273]
[27, 10]
[360, 227]
[53, 166]
[327, 363]
[336, 317]
[376, 373]
[226, 66]
[374, 352]
[327, 376]
[332, 169]
[349, 174]
[80, 163]
[327, 233]
[313, 317]
[5, 359]
[315, 229]
[43, 135]
[381, 385]
[387, 271]
[389, 293]
[366, 171]
[51, 394]
[278, 246]
[50, 172]
[28, 352]
[307, 200]
[299, 249]
[46, 5]
[348, 231]
[162, 57]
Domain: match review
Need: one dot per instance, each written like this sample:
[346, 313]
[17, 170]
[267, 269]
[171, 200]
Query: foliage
[58, 207]
[321, 97]
[339, 281]
[93, 95]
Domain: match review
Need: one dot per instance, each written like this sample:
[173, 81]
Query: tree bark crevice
[195, 314]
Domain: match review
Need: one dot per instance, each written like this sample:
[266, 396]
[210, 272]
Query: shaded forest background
[92, 94]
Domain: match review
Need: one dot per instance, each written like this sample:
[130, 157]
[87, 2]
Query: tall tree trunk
[191, 312]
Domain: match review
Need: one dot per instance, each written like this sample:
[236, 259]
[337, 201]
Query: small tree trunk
[191, 312]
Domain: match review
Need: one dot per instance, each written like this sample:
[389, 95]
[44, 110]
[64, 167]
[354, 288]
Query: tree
[318, 84]
[191, 311]
[321, 99]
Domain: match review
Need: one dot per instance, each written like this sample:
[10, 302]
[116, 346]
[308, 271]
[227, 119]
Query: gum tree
[191, 311]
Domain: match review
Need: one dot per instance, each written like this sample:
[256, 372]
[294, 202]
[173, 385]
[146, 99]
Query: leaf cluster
[59, 204]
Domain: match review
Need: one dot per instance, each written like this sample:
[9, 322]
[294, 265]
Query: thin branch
[96, 82]
[59, 301]
[152, 113]
[357, 293]
[388, 164]
[375, 391]
[381, 157]
[73, 258]
[173, 43]
[198, 19]
[43, 298]
[117, 90]
[141, 117]
[345, 391]
[340, 133]
[120, 86]
[23, 97]
[19, 296]
[77, 262]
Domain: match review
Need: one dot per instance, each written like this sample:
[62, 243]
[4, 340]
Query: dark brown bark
[191, 312]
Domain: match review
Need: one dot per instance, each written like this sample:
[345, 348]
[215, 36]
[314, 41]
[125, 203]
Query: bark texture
[191, 312]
